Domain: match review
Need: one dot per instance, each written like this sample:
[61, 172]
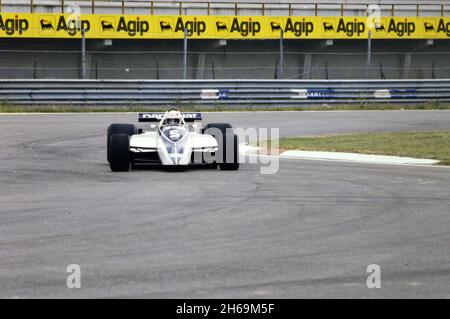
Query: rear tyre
[231, 161]
[220, 126]
[228, 155]
[120, 153]
[128, 129]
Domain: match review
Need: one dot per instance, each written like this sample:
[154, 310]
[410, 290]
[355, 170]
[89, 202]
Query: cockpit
[171, 122]
[172, 127]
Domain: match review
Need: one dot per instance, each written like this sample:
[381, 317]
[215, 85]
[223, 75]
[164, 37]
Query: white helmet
[173, 117]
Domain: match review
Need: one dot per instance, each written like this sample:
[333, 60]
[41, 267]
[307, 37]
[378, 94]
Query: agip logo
[299, 28]
[72, 27]
[380, 27]
[13, 26]
[47, 25]
[327, 26]
[351, 28]
[131, 26]
[107, 25]
[193, 26]
[134, 26]
[222, 26]
[276, 25]
[165, 27]
[343, 28]
[441, 27]
[245, 27]
[377, 27]
[401, 28]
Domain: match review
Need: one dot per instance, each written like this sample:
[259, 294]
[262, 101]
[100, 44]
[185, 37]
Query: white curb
[359, 158]
[248, 149]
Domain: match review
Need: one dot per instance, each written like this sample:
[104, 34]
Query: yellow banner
[97, 26]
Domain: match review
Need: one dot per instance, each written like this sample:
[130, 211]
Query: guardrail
[220, 92]
[436, 8]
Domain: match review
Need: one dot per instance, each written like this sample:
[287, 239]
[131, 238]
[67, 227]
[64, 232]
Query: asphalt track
[308, 231]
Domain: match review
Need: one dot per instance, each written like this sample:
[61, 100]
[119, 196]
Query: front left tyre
[120, 160]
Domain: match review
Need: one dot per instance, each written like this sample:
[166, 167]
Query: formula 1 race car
[175, 139]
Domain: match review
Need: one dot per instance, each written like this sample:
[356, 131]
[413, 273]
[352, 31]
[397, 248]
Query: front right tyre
[228, 155]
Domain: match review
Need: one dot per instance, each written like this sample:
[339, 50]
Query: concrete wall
[158, 59]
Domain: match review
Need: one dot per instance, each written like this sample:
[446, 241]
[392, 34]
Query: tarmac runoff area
[308, 231]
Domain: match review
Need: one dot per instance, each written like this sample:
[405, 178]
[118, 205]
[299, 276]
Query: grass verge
[429, 145]
[11, 108]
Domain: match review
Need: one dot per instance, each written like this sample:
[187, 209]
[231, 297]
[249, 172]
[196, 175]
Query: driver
[172, 126]
[173, 122]
[173, 118]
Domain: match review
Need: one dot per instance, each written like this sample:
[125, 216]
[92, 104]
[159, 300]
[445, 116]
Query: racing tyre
[219, 131]
[220, 126]
[120, 153]
[228, 143]
[128, 129]
[230, 161]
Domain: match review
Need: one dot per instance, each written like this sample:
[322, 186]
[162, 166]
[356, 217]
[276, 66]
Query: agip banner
[96, 26]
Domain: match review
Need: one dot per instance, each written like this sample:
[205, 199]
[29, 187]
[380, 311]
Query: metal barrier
[229, 7]
[220, 92]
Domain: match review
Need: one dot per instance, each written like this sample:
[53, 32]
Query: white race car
[174, 139]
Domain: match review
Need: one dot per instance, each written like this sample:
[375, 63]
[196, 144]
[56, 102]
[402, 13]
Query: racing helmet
[173, 118]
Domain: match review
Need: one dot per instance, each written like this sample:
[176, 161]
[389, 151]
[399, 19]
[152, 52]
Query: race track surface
[308, 231]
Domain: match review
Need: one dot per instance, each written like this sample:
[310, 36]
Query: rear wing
[158, 116]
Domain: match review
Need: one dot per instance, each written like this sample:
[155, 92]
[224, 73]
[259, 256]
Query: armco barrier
[220, 92]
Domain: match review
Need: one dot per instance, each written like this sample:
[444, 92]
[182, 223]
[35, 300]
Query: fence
[310, 8]
[220, 92]
[240, 60]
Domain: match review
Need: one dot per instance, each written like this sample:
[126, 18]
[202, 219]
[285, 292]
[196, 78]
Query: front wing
[150, 148]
